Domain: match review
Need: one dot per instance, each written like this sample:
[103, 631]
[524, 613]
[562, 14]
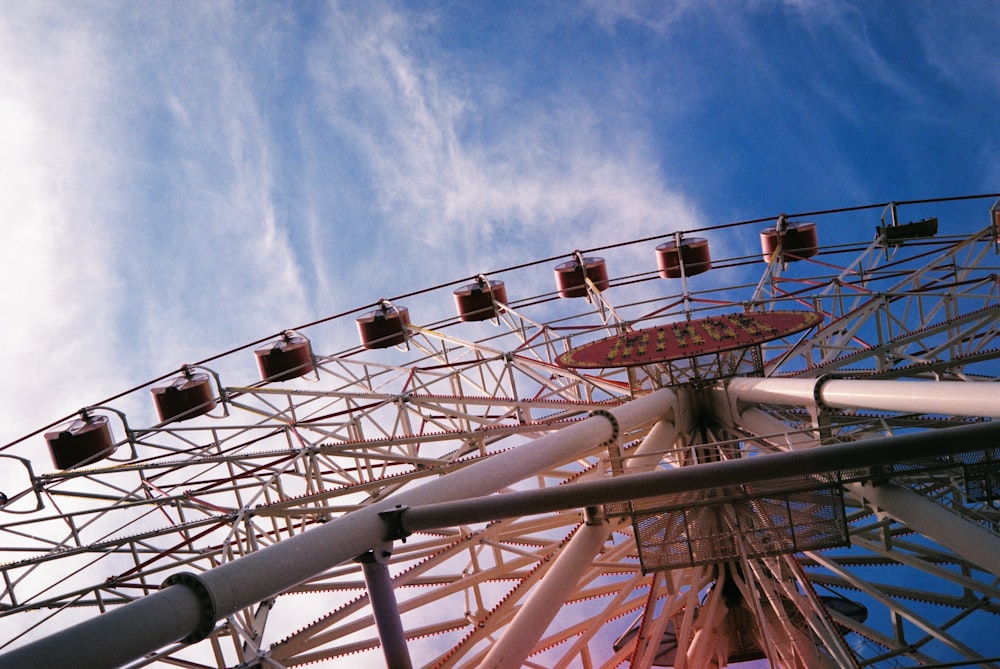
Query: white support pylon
[537, 613]
[190, 606]
[967, 539]
[934, 397]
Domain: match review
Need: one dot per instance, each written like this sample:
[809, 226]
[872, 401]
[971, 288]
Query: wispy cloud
[61, 293]
[189, 180]
[461, 163]
[138, 188]
[227, 259]
[213, 243]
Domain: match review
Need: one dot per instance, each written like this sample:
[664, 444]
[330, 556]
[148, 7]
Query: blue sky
[177, 178]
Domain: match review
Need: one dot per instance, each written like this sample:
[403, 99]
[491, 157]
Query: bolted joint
[393, 521]
[206, 622]
[615, 429]
[594, 515]
[818, 391]
[379, 554]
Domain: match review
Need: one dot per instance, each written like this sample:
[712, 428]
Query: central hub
[694, 351]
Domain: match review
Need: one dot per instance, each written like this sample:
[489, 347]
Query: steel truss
[480, 405]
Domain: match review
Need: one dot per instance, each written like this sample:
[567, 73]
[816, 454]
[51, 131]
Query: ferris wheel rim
[532, 263]
[417, 397]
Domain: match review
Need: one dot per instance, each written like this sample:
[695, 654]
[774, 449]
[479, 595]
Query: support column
[536, 614]
[776, 431]
[967, 539]
[193, 604]
[383, 601]
[659, 439]
[937, 397]
[152, 622]
[710, 644]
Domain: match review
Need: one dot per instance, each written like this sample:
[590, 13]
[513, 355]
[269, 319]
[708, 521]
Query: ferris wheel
[781, 458]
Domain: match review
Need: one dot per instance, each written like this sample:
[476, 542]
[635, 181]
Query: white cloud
[214, 247]
[215, 228]
[57, 261]
[138, 179]
[466, 170]
[654, 15]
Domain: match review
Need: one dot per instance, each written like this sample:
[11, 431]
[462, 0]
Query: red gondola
[693, 252]
[85, 441]
[288, 358]
[185, 397]
[384, 327]
[477, 301]
[571, 276]
[797, 241]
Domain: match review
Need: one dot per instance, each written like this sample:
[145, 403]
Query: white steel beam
[774, 431]
[800, 463]
[383, 600]
[935, 397]
[711, 643]
[531, 621]
[562, 576]
[188, 607]
[967, 539]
